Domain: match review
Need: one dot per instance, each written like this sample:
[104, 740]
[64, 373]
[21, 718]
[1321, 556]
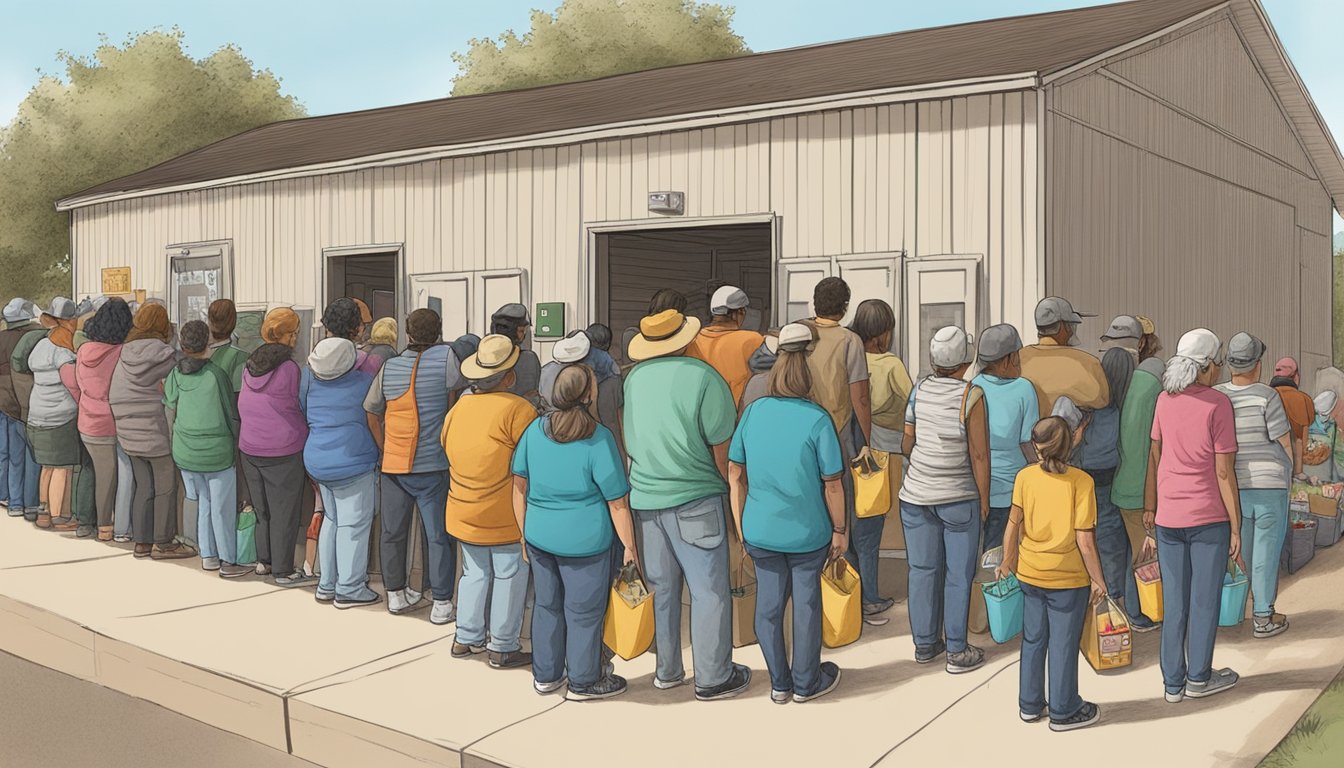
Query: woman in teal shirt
[569, 489]
[784, 482]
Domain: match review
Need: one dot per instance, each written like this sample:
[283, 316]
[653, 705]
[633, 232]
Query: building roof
[1025, 45]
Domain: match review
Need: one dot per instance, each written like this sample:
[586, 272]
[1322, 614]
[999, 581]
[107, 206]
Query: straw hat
[662, 334]
[496, 354]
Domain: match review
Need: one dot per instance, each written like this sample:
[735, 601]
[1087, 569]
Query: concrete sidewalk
[362, 688]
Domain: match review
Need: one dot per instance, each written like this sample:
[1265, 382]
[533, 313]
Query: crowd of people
[702, 446]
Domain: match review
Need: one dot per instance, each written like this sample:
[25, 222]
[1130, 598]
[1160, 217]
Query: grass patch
[1317, 741]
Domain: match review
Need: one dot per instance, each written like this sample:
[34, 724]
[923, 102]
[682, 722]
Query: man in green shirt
[679, 417]
[203, 419]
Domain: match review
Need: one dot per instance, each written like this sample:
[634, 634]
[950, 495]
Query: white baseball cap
[728, 298]
[794, 337]
[572, 348]
[1200, 345]
[951, 347]
[1325, 402]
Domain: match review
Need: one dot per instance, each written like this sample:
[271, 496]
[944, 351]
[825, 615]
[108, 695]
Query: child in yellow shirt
[1050, 544]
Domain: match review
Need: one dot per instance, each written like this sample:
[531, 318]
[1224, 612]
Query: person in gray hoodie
[136, 398]
[760, 363]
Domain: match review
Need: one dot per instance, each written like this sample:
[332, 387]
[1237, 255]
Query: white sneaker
[263, 569]
[404, 601]
[210, 563]
[545, 688]
[442, 612]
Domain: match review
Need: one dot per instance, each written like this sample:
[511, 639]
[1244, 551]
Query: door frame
[972, 263]
[372, 249]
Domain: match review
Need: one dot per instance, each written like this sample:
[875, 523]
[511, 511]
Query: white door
[939, 292]
[448, 294]
[874, 278]
[797, 280]
[198, 274]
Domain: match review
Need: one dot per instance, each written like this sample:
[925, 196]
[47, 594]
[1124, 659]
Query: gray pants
[276, 484]
[121, 518]
[104, 457]
[154, 509]
[686, 545]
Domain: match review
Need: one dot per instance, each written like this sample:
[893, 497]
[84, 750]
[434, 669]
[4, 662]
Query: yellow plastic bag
[841, 604]
[1148, 578]
[872, 489]
[628, 629]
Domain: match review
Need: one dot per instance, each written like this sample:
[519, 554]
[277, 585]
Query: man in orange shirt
[1297, 404]
[723, 343]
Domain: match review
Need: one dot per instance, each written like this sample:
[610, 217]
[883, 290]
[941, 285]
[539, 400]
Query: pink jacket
[94, 364]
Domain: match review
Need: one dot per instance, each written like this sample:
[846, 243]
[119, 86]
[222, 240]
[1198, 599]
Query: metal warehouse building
[1159, 156]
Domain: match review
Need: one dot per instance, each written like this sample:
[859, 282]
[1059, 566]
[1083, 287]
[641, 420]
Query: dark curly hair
[195, 337]
[111, 323]
[831, 297]
[342, 319]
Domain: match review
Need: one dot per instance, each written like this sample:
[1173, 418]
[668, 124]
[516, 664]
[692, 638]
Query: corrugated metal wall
[939, 177]
[1179, 191]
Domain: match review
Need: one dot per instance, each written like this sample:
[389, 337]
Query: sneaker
[667, 685]
[295, 579]
[781, 697]
[63, 524]
[30, 514]
[927, 653]
[510, 659]
[85, 531]
[15, 511]
[210, 563]
[263, 569]
[1221, 680]
[324, 597]
[1034, 717]
[876, 621]
[1174, 697]
[1269, 626]
[442, 613]
[461, 651]
[1086, 715]
[881, 606]
[344, 603]
[1144, 625]
[738, 681]
[121, 539]
[968, 660]
[548, 688]
[233, 571]
[830, 680]
[404, 601]
[607, 687]
[174, 551]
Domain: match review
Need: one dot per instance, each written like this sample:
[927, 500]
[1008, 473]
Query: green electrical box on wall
[550, 323]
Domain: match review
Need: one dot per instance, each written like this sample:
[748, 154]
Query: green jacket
[1136, 429]
[231, 360]
[205, 424]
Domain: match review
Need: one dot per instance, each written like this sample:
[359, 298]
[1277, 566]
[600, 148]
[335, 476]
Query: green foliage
[585, 39]
[119, 111]
[1317, 741]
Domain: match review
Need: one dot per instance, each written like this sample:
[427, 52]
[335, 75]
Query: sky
[342, 55]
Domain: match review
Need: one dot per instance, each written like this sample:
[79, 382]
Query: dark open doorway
[633, 265]
[371, 278]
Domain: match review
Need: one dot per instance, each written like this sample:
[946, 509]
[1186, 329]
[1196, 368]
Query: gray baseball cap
[1123, 327]
[62, 309]
[1053, 310]
[998, 342]
[1243, 352]
[18, 310]
[515, 312]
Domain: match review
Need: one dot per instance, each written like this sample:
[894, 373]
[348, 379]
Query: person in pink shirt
[1193, 513]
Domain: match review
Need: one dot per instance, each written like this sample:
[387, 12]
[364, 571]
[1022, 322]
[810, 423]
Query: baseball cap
[1199, 345]
[1124, 327]
[726, 299]
[515, 312]
[1243, 352]
[18, 310]
[572, 348]
[62, 309]
[998, 342]
[951, 347]
[1053, 309]
[1286, 366]
[794, 337]
[1065, 409]
[1325, 402]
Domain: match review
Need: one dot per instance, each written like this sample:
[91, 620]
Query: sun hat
[1325, 402]
[497, 354]
[1053, 310]
[793, 337]
[18, 310]
[1199, 345]
[1286, 367]
[572, 348]
[728, 298]
[662, 334]
[951, 347]
[1244, 352]
[998, 342]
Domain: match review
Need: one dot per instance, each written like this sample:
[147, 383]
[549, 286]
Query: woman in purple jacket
[271, 442]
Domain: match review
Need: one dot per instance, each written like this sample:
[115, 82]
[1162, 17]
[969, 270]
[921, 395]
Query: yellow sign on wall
[116, 280]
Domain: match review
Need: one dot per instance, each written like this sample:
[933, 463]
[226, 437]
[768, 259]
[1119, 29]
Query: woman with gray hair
[1192, 511]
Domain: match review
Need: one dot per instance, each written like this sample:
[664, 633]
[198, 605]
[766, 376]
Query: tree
[585, 39]
[119, 111]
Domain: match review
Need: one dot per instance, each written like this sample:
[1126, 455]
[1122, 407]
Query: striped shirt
[1261, 421]
[940, 463]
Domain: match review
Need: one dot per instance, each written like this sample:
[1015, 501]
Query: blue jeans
[343, 543]
[497, 576]
[428, 493]
[779, 576]
[1117, 559]
[864, 556]
[1264, 524]
[571, 604]
[1193, 562]
[941, 542]
[994, 526]
[216, 496]
[685, 545]
[121, 507]
[1052, 626]
[22, 472]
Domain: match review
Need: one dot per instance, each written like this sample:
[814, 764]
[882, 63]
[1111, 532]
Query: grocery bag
[628, 630]
[841, 604]
[247, 540]
[1148, 578]
[1004, 603]
[742, 584]
[872, 487]
[1236, 588]
[1106, 642]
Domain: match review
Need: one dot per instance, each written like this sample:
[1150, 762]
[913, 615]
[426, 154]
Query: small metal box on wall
[550, 322]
